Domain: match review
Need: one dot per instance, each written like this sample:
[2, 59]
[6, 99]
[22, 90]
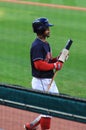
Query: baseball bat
[68, 45]
[52, 80]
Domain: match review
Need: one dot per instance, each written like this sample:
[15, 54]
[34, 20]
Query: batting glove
[64, 55]
[58, 65]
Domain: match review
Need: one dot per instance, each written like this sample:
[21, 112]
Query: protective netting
[19, 106]
[14, 119]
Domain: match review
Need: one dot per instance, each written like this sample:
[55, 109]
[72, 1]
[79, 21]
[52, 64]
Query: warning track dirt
[46, 5]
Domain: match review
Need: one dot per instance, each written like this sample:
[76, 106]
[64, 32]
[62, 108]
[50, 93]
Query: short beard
[46, 36]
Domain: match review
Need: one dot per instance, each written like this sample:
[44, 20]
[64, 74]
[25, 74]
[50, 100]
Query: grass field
[16, 37]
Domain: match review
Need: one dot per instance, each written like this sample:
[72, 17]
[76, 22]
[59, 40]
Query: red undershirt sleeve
[43, 66]
[54, 60]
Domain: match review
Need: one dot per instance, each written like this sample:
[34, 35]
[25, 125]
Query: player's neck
[42, 38]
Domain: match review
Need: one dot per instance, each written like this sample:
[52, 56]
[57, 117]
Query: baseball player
[43, 66]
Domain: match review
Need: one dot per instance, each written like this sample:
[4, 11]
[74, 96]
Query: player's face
[47, 33]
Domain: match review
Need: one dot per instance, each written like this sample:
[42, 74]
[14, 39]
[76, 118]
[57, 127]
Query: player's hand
[67, 57]
[64, 55]
[58, 65]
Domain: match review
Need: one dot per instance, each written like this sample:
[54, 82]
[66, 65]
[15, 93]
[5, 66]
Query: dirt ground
[14, 119]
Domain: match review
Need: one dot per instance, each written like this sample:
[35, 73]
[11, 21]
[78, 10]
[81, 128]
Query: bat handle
[49, 86]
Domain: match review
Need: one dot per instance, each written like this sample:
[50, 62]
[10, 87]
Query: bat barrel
[69, 43]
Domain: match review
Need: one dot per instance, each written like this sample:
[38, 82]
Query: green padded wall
[55, 105]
